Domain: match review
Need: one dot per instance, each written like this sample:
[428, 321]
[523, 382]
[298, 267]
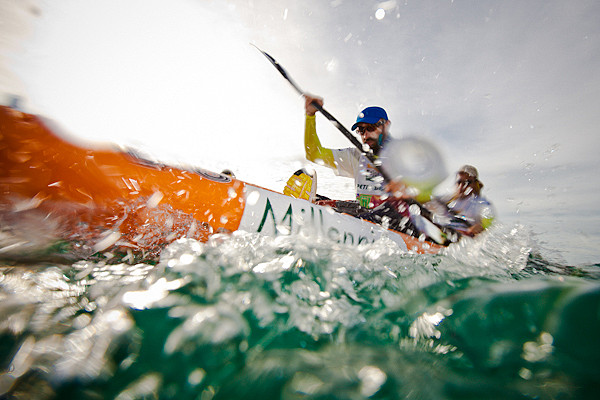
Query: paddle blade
[302, 185]
[281, 70]
[415, 161]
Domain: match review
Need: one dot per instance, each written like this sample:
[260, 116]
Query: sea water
[244, 316]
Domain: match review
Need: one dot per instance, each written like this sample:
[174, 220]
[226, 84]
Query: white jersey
[474, 209]
[470, 209]
[368, 181]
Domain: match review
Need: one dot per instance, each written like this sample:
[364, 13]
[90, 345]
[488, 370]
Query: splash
[244, 315]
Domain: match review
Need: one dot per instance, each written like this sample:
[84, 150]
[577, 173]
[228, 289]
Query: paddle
[369, 154]
[425, 163]
[427, 226]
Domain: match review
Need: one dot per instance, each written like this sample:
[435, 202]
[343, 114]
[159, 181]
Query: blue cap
[370, 115]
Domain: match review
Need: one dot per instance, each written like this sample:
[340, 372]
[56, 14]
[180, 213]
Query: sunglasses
[368, 128]
[463, 181]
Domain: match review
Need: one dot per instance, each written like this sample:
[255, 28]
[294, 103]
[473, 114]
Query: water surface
[247, 316]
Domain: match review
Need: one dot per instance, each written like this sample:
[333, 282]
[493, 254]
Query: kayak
[60, 192]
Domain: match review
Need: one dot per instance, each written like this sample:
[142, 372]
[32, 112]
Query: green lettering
[322, 225]
[348, 235]
[288, 216]
[268, 208]
[333, 234]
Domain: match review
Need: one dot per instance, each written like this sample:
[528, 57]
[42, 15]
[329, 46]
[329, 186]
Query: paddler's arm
[312, 145]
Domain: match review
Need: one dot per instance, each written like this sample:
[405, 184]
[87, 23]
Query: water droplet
[154, 199]
[252, 197]
[196, 376]
[372, 378]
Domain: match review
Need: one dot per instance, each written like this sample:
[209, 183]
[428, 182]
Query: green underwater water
[246, 316]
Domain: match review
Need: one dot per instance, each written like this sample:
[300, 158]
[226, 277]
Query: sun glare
[141, 72]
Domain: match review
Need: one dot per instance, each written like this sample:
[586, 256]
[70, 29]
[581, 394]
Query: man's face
[464, 182]
[369, 133]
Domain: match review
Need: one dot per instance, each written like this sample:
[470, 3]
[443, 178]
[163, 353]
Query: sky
[508, 86]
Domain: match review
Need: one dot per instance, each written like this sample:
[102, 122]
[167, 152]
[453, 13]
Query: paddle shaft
[328, 115]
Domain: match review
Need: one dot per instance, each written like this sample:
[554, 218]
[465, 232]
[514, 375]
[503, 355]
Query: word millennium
[293, 218]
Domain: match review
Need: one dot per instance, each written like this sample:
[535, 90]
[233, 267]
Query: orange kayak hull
[107, 199]
[90, 192]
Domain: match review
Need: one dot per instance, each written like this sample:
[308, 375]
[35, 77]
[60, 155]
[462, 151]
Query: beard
[374, 145]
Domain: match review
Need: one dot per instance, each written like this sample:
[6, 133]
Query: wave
[244, 315]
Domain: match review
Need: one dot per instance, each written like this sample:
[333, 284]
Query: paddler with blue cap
[386, 203]
[372, 124]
